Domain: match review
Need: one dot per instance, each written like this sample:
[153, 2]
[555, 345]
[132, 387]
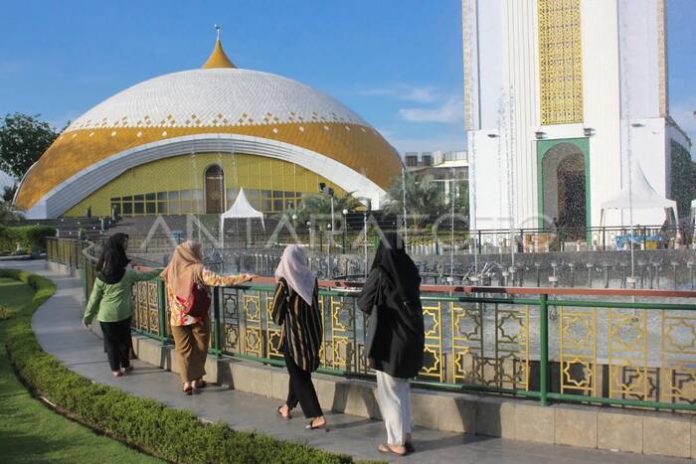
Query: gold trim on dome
[218, 58]
[365, 152]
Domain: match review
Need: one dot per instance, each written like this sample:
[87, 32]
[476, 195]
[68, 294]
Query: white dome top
[215, 97]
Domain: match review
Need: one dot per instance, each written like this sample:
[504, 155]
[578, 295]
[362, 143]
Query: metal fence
[65, 251]
[589, 346]
[618, 347]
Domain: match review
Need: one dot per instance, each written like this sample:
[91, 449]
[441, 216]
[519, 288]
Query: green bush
[30, 238]
[169, 434]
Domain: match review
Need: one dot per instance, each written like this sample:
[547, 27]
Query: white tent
[241, 209]
[643, 196]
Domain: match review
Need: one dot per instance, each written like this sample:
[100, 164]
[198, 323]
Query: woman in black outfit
[396, 337]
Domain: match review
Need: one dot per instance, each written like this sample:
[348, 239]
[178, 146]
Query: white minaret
[562, 96]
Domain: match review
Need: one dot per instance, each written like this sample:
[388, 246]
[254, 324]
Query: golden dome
[218, 58]
[218, 101]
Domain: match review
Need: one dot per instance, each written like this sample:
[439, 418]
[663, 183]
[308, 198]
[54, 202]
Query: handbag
[198, 302]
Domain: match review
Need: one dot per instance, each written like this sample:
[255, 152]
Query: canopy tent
[241, 209]
[641, 196]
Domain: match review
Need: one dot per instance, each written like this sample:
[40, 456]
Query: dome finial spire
[218, 58]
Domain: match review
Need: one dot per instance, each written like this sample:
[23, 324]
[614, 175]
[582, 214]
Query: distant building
[567, 110]
[447, 168]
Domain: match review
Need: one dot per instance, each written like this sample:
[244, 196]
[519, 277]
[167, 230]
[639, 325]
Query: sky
[397, 63]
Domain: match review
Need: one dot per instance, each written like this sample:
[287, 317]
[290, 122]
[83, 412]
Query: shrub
[169, 434]
[30, 238]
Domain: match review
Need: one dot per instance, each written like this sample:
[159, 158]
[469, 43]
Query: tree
[424, 198]
[23, 139]
[318, 208]
[8, 193]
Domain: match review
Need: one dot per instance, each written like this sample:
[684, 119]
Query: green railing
[634, 348]
[65, 251]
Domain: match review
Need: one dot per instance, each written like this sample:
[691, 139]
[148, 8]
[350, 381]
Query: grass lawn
[32, 433]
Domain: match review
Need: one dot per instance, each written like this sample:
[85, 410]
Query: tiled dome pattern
[214, 98]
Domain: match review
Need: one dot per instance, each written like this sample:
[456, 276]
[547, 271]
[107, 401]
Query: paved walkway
[58, 327]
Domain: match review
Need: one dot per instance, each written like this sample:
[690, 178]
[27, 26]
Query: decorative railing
[621, 347]
[65, 251]
[538, 343]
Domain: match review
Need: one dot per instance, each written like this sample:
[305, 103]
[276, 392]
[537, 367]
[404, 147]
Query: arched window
[214, 190]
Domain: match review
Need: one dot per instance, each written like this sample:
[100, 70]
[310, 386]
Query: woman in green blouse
[112, 301]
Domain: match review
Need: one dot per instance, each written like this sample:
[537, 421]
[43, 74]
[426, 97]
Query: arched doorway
[214, 190]
[565, 189]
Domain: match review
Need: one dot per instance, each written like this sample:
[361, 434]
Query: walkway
[58, 327]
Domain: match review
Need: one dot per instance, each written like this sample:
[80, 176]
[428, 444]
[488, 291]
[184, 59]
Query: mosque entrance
[214, 190]
[564, 187]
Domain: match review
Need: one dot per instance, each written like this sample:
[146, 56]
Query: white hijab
[293, 268]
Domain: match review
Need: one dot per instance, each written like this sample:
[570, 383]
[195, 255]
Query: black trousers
[117, 339]
[301, 389]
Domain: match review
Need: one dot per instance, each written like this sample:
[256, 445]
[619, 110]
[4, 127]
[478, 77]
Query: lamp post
[345, 229]
[326, 190]
[309, 233]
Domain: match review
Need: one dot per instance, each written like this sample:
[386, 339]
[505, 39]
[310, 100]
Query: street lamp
[345, 229]
[326, 190]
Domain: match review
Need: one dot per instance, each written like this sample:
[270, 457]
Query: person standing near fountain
[396, 337]
[111, 301]
[296, 308]
[188, 299]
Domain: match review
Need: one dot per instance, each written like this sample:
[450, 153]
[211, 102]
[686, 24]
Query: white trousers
[394, 397]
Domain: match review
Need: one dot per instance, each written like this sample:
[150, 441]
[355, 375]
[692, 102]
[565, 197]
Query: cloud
[450, 111]
[406, 92]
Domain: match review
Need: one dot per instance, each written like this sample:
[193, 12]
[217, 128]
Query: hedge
[29, 238]
[169, 434]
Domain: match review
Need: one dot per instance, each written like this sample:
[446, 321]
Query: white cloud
[406, 92]
[450, 111]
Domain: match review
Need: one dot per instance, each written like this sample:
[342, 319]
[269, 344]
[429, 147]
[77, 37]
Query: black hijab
[392, 259]
[113, 260]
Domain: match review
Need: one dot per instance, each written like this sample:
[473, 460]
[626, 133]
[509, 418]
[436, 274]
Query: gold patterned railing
[65, 251]
[526, 342]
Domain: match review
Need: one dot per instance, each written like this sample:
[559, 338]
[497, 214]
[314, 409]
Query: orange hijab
[185, 268]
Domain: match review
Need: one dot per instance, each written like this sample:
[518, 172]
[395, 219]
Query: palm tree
[424, 198]
[317, 207]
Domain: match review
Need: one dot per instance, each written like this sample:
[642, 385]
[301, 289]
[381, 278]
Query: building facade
[187, 142]
[566, 105]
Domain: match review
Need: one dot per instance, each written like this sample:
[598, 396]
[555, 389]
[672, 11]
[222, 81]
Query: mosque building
[187, 142]
[567, 114]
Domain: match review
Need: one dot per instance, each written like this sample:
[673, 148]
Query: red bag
[198, 301]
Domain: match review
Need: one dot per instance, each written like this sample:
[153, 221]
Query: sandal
[311, 425]
[284, 416]
[188, 391]
[200, 383]
[387, 449]
[117, 373]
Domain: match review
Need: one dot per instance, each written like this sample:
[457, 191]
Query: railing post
[543, 349]
[162, 310]
[216, 321]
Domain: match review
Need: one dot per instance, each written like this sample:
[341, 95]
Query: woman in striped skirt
[296, 309]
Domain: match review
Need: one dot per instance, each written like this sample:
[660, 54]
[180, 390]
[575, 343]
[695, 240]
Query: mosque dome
[219, 107]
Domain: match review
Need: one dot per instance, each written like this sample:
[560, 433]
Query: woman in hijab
[186, 279]
[112, 301]
[296, 308]
[396, 337]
